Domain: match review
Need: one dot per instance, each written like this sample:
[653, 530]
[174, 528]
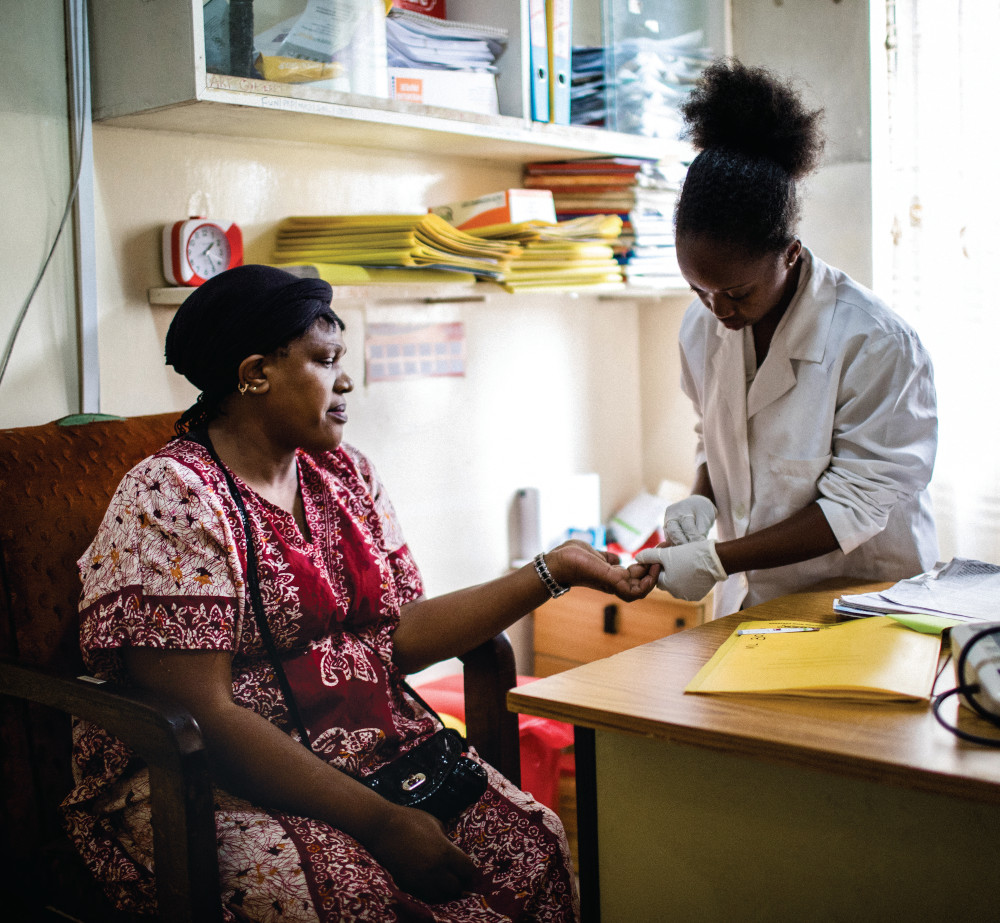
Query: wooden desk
[753, 808]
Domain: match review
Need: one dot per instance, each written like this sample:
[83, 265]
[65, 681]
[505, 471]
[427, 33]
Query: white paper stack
[416, 40]
[961, 589]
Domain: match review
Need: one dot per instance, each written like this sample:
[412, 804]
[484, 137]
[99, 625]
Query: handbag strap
[202, 438]
[257, 603]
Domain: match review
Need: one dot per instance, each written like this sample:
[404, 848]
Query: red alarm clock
[196, 249]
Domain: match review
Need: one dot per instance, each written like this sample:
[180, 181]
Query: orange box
[508, 207]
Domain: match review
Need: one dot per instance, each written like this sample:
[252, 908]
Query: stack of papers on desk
[423, 240]
[874, 659]
[963, 590]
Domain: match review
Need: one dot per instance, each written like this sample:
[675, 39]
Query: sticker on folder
[874, 659]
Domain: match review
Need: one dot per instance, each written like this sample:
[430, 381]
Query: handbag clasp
[413, 781]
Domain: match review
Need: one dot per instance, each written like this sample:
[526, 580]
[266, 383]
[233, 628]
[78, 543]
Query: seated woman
[166, 607]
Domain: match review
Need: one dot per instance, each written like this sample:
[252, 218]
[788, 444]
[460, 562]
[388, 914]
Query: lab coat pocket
[800, 471]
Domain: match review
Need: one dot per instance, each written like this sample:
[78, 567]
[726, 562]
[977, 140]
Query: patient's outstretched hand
[576, 563]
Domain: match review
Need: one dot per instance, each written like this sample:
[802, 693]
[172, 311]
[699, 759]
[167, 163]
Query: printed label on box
[409, 88]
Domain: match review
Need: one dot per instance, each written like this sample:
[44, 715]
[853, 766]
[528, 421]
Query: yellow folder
[586, 227]
[611, 281]
[346, 274]
[870, 659]
[389, 240]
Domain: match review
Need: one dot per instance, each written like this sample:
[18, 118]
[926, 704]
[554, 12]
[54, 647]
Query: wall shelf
[257, 110]
[424, 293]
[165, 86]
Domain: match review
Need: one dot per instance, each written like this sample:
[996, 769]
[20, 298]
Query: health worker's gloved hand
[689, 571]
[689, 519]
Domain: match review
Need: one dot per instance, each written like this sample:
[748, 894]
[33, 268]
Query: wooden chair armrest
[168, 739]
[493, 730]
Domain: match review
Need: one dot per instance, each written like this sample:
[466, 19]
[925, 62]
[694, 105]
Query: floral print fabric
[167, 570]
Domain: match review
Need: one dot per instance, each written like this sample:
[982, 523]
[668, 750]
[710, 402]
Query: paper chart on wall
[403, 352]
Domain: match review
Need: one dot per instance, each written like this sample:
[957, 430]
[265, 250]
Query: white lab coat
[842, 411]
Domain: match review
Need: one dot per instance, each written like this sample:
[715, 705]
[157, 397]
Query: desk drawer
[585, 625]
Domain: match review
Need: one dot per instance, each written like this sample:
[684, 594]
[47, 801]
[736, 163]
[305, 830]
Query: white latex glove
[689, 571]
[689, 520]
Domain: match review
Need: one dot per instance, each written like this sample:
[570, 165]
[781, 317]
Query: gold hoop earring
[242, 388]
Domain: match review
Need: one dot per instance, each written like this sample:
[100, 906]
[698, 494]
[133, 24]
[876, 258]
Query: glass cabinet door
[317, 45]
[654, 51]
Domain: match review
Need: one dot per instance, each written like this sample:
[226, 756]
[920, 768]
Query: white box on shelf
[470, 91]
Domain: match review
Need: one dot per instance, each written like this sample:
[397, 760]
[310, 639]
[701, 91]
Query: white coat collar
[803, 331]
[801, 335]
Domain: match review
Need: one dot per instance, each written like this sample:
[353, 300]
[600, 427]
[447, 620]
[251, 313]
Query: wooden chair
[56, 481]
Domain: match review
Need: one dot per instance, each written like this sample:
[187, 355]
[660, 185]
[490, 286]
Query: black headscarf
[238, 313]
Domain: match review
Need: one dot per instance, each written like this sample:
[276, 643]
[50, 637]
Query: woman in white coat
[817, 419]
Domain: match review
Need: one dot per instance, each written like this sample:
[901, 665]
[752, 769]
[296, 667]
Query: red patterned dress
[167, 570]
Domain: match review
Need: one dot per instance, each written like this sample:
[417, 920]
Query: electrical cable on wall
[80, 85]
[41, 274]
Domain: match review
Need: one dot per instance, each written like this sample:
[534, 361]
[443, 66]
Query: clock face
[199, 248]
[208, 250]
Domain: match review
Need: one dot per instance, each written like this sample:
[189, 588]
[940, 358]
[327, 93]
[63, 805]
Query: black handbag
[435, 776]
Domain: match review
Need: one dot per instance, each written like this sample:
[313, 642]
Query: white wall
[668, 440]
[41, 380]
[825, 46]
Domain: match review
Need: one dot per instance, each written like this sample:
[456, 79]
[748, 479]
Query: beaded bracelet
[555, 590]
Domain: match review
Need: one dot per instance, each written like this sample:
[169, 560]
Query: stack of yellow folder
[864, 660]
[564, 255]
[347, 274]
[414, 241]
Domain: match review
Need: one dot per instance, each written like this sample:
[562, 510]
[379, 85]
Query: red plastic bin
[543, 741]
